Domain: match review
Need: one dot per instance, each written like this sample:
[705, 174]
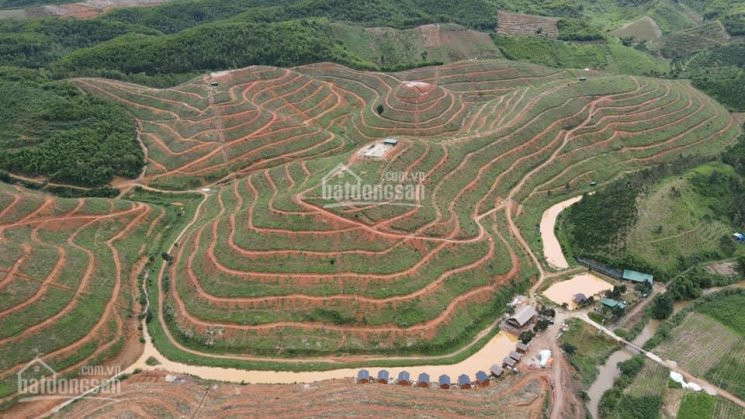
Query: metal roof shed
[444, 382]
[363, 376]
[482, 378]
[522, 316]
[423, 380]
[635, 276]
[404, 378]
[464, 381]
[383, 376]
[509, 362]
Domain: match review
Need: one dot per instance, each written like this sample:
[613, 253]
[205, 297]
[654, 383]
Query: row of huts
[511, 360]
[444, 382]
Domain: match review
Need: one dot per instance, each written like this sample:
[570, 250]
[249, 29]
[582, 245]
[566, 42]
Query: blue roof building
[482, 378]
[383, 376]
[404, 378]
[363, 376]
[444, 381]
[464, 381]
[423, 380]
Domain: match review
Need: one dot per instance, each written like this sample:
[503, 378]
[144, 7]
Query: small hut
[521, 347]
[508, 362]
[363, 377]
[482, 379]
[444, 382]
[579, 298]
[464, 381]
[496, 370]
[516, 355]
[423, 380]
[383, 376]
[404, 378]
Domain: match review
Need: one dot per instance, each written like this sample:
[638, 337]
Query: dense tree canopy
[52, 129]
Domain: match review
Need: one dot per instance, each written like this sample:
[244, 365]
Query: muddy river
[492, 353]
[551, 247]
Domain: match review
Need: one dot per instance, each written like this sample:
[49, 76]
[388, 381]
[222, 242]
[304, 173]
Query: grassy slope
[46, 125]
[676, 221]
[592, 348]
[613, 56]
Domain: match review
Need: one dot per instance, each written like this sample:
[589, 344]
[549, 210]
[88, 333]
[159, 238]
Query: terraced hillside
[68, 280]
[272, 266]
[148, 394]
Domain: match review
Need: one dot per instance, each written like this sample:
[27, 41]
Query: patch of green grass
[697, 406]
[592, 348]
[612, 56]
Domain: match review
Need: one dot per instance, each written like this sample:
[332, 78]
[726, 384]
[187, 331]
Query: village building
[444, 382]
[521, 347]
[464, 381]
[363, 377]
[496, 370]
[404, 378]
[482, 379]
[522, 317]
[508, 362]
[611, 303]
[516, 356]
[383, 376]
[638, 277]
[423, 380]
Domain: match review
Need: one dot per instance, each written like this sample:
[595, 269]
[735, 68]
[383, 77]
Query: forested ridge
[50, 128]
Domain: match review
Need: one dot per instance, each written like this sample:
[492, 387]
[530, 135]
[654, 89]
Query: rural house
[444, 382]
[363, 377]
[464, 381]
[404, 378]
[423, 380]
[522, 317]
[482, 378]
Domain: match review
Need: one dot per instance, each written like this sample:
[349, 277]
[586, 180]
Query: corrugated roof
[523, 316]
[637, 276]
[363, 374]
[496, 370]
[423, 378]
[609, 302]
[481, 376]
[383, 375]
[464, 379]
[404, 376]
[444, 379]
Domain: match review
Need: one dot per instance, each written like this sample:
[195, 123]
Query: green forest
[168, 44]
[50, 128]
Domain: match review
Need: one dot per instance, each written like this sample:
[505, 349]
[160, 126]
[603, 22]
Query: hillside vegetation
[51, 129]
[664, 221]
